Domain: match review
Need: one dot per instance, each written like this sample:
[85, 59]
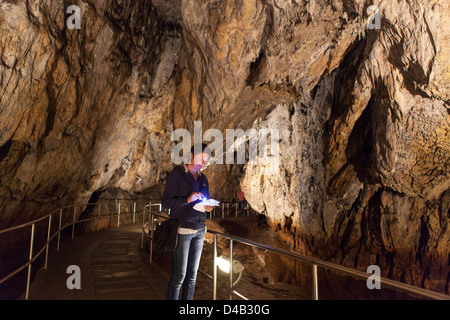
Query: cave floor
[112, 267]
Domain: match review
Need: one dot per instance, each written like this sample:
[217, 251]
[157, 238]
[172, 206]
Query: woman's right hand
[195, 196]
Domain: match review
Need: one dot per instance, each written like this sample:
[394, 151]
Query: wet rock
[362, 115]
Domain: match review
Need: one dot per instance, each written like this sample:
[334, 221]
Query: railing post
[98, 219]
[143, 223]
[231, 269]
[110, 212]
[215, 268]
[118, 217]
[151, 236]
[73, 222]
[134, 211]
[223, 210]
[149, 212]
[59, 229]
[315, 286]
[48, 240]
[30, 259]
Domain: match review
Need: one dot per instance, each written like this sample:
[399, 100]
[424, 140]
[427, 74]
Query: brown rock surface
[363, 115]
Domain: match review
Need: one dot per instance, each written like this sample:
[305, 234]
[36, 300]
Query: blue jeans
[185, 263]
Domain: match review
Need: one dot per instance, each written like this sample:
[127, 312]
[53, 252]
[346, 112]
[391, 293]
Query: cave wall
[369, 151]
[82, 110]
[363, 115]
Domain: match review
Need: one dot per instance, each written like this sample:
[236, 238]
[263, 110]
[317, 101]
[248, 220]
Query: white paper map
[208, 202]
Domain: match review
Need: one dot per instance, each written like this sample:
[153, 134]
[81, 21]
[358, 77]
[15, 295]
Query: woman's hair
[200, 148]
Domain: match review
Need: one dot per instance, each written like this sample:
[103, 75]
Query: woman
[186, 186]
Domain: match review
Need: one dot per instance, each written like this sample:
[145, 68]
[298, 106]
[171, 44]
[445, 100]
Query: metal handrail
[32, 257]
[150, 225]
[315, 263]
[413, 290]
[226, 206]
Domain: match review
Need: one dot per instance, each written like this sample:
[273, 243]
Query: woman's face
[200, 160]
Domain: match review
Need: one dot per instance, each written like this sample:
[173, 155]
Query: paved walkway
[112, 266]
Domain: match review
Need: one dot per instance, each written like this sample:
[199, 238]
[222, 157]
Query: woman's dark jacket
[179, 186]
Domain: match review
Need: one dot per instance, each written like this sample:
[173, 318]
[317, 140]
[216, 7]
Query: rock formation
[362, 113]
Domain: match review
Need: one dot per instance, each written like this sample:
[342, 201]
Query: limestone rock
[362, 114]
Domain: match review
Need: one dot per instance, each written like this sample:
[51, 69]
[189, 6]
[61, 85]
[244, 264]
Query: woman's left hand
[208, 208]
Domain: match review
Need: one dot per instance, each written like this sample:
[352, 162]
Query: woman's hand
[208, 208]
[195, 196]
